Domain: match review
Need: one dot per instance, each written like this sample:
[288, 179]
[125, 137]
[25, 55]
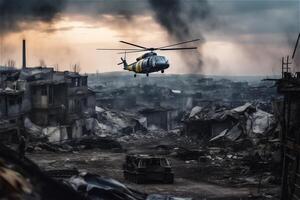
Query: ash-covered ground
[220, 135]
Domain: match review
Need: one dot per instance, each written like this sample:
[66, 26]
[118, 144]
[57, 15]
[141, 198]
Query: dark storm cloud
[256, 22]
[14, 13]
[240, 22]
[184, 20]
[17, 15]
[238, 16]
[124, 8]
[257, 16]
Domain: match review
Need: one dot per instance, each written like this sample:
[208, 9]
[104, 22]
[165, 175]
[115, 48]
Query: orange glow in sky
[73, 39]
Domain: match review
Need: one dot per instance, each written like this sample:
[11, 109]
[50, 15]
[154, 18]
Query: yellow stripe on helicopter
[140, 65]
[129, 67]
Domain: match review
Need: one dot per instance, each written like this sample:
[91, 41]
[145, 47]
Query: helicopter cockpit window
[160, 60]
[152, 61]
[145, 62]
[148, 62]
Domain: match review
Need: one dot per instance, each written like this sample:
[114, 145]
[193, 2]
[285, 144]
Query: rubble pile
[22, 179]
[85, 142]
[118, 123]
[239, 146]
[94, 142]
[104, 131]
[243, 122]
[227, 166]
[96, 187]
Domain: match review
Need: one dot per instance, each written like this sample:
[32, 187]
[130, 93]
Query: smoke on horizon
[181, 19]
[184, 20]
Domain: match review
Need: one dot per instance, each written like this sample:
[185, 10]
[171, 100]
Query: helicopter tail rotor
[123, 62]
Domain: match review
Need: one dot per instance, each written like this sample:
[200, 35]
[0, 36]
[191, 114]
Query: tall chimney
[24, 54]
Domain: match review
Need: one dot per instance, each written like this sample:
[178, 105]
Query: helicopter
[149, 62]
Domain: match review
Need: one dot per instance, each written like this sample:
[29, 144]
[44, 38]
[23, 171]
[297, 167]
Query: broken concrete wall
[91, 103]
[157, 120]
[26, 99]
[56, 134]
[198, 129]
[173, 119]
[2, 106]
[39, 96]
[58, 76]
[206, 122]
[218, 126]
[246, 120]
[59, 95]
[78, 129]
[119, 123]
[11, 103]
[14, 107]
[40, 117]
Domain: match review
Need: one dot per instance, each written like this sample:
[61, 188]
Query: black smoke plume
[183, 20]
[16, 14]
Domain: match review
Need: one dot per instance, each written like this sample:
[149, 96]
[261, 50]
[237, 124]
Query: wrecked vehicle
[148, 168]
[94, 186]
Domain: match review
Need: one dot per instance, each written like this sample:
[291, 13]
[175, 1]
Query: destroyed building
[160, 117]
[289, 87]
[214, 122]
[287, 110]
[10, 115]
[207, 122]
[43, 97]
[11, 111]
[60, 98]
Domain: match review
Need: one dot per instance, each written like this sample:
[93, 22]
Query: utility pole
[24, 54]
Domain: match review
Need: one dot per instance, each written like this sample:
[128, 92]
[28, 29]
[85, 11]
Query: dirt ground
[108, 163]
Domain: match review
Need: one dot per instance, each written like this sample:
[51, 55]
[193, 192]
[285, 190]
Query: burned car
[148, 168]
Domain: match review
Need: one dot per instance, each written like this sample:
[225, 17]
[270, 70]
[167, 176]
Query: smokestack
[24, 54]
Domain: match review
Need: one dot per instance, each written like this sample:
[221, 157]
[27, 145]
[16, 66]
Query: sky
[237, 37]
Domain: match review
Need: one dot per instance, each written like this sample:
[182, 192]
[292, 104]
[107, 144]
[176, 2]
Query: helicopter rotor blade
[166, 49]
[179, 43]
[117, 49]
[134, 45]
[136, 51]
[150, 49]
[183, 48]
[296, 45]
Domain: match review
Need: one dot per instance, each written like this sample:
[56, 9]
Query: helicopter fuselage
[148, 63]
